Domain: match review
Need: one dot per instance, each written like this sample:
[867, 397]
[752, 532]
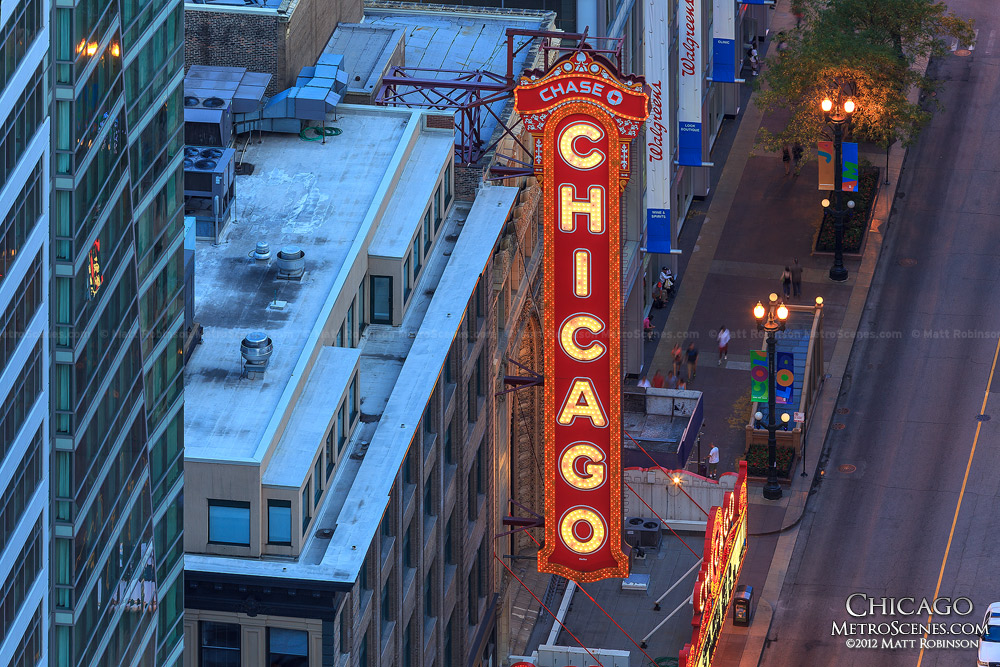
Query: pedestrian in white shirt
[713, 463]
[724, 337]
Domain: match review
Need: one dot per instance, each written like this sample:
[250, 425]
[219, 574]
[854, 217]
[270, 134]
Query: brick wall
[467, 179]
[309, 28]
[233, 40]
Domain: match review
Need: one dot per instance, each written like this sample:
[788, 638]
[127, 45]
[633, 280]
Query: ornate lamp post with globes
[771, 319]
[838, 118]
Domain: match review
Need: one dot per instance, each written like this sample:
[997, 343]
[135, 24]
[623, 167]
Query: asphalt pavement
[907, 503]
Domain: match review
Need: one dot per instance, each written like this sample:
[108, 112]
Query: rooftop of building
[444, 37]
[254, 6]
[400, 367]
[319, 197]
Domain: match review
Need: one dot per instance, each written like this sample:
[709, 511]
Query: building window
[331, 455]
[448, 644]
[352, 399]
[288, 648]
[408, 476]
[306, 507]
[429, 498]
[363, 652]
[220, 644]
[407, 551]
[350, 325]
[447, 369]
[447, 185]
[427, 231]
[381, 310]
[429, 593]
[449, 550]
[279, 522]
[229, 522]
[416, 256]
[341, 433]
[406, 280]
[318, 476]
[437, 206]
[340, 335]
[362, 323]
[386, 607]
[408, 646]
[449, 451]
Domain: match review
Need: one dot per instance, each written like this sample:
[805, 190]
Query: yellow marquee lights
[582, 401]
[567, 338]
[592, 207]
[568, 530]
[581, 270]
[593, 468]
[567, 146]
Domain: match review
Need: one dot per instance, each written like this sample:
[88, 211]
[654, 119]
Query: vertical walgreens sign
[690, 84]
[582, 115]
[725, 549]
[659, 237]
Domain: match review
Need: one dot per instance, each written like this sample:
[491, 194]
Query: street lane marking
[965, 480]
[989, 44]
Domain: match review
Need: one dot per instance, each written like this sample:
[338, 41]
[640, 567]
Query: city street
[907, 503]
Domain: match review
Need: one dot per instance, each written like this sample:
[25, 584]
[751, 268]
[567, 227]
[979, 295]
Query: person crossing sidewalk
[724, 337]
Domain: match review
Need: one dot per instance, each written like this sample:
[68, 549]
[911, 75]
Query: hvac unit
[649, 535]
[209, 174]
[208, 121]
[633, 531]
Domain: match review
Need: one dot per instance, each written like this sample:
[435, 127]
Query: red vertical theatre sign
[582, 115]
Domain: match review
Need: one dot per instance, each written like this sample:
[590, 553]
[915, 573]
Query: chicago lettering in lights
[582, 115]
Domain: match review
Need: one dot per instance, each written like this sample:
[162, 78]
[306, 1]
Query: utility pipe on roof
[560, 618]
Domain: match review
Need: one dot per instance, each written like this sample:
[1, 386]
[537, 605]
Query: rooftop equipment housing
[255, 348]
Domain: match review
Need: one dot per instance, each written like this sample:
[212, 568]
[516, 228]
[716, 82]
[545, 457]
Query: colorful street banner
[784, 377]
[724, 41]
[824, 153]
[690, 85]
[758, 376]
[659, 235]
[849, 160]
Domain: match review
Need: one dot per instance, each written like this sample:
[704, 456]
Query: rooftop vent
[324, 533]
[291, 262]
[255, 348]
[262, 251]
[360, 452]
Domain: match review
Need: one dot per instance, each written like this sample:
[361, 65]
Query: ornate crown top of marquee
[584, 62]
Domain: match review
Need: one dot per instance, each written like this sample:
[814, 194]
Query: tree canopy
[867, 50]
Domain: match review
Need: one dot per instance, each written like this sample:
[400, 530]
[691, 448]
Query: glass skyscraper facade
[117, 70]
[24, 350]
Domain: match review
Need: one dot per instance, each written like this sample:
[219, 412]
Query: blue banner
[658, 230]
[689, 144]
[757, 2]
[724, 60]
[849, 163]
[784, 377]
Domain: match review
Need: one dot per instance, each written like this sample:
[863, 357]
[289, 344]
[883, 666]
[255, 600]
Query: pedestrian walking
[644, 382]
[671, 380]
[676, 352]
[692, 359]
[724, 337]
[796, 271]
[797, 157]
[786, 159]
[647, 328]
[754, 60]
[713, 463]
[786, 282]
[658, 380]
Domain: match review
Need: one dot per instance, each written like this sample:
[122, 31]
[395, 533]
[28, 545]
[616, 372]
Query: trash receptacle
[743, 605]
[703, 468]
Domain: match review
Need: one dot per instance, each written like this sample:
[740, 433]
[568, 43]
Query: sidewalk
[756, 222]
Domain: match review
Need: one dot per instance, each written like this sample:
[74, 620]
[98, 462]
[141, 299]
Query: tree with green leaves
[867, 50]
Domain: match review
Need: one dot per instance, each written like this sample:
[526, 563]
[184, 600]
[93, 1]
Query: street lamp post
[771, 320]
[838, 119]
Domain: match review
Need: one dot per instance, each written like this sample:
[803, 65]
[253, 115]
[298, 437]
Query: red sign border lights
[579, 91]
[725, 540]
